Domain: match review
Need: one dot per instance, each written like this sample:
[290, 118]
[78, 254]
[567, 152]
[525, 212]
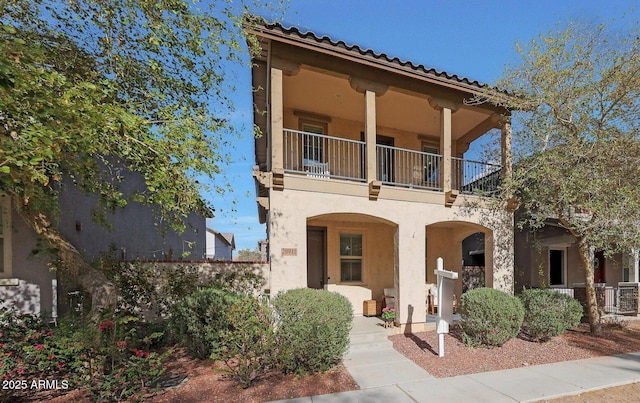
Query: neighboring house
[263, 249]
[361, 172]
[549, 257]
[27, 278]
[220, 245]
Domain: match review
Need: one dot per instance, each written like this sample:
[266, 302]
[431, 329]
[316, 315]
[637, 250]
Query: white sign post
[445, 302]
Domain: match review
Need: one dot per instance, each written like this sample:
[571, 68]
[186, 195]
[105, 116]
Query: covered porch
[358, 255]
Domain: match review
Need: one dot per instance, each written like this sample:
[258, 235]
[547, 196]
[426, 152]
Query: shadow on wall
[25, 297]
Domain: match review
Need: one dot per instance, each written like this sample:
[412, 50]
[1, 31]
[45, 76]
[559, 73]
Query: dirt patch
[422, 348]
[190, 380]
[206, 383]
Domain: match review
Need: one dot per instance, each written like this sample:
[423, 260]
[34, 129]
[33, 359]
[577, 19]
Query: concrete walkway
[384, 375]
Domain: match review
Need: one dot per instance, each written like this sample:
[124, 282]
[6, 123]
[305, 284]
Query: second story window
[431, 171]
[313, 151]
[350, 257]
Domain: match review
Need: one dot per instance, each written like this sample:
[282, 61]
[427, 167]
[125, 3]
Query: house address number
[289, 251]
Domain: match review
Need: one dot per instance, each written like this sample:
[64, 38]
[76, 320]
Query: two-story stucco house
[361, 172]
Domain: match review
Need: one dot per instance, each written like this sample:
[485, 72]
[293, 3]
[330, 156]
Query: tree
[249, 255]
[89, 89]
[577, 149]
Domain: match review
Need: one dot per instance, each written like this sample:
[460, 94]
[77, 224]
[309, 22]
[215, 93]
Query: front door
[599, 268]
[385, 159]
[316, 257]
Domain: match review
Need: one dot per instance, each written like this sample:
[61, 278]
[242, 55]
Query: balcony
[326, 157]
[321, 156]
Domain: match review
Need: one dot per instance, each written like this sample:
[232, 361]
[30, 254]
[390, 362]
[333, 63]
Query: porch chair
[432, 299]
[389, 298]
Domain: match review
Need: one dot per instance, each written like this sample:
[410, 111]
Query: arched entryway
[459, 243]
[353, 254]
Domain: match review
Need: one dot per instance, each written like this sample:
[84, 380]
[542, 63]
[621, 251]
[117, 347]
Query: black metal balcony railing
[399, 166]
[321, 156]
[324, 157]
[475, 177]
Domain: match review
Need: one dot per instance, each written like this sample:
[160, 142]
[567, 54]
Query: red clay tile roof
[309, 36]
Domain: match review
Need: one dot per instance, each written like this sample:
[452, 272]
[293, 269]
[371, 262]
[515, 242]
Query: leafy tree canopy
[89, 89]
[577, 143]
[578, 138]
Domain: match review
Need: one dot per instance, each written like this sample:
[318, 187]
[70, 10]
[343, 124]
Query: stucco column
[370, 134]
[502, 258]
[505, 143]
[445, 145]
[276, 113]
[287, 243]
[410, 275]
[488, 259]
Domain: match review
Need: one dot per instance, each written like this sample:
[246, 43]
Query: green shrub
[199, 321]
[153, 287]
[548, 313]
[490, 317]
[248, 344]
[312, 332]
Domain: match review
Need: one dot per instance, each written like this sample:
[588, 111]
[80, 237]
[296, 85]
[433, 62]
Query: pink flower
[118, 375]
[122, 344]
[39, 346]
[20, 371]
[50, 333]
[51, 356]
[1, 345]
[61, 365]
[140, 353]
[106, 324]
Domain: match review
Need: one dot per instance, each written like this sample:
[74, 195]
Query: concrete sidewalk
[384, 375]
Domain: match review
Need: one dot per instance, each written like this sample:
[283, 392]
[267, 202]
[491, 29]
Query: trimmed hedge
[199, 321]
[548, 313]
[490, 317]
[312, 330]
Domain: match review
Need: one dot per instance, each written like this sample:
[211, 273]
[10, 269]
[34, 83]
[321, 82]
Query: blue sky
[474, 39]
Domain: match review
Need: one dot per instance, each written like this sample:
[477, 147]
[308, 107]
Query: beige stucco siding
[403, 224]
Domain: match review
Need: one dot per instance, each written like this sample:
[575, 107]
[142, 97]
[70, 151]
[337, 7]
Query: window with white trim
[313, 147]
[5, 236]
[350, 258]
[431, 172]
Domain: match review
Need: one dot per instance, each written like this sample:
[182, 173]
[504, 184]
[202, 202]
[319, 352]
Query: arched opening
[352, 254]
[462, 245]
